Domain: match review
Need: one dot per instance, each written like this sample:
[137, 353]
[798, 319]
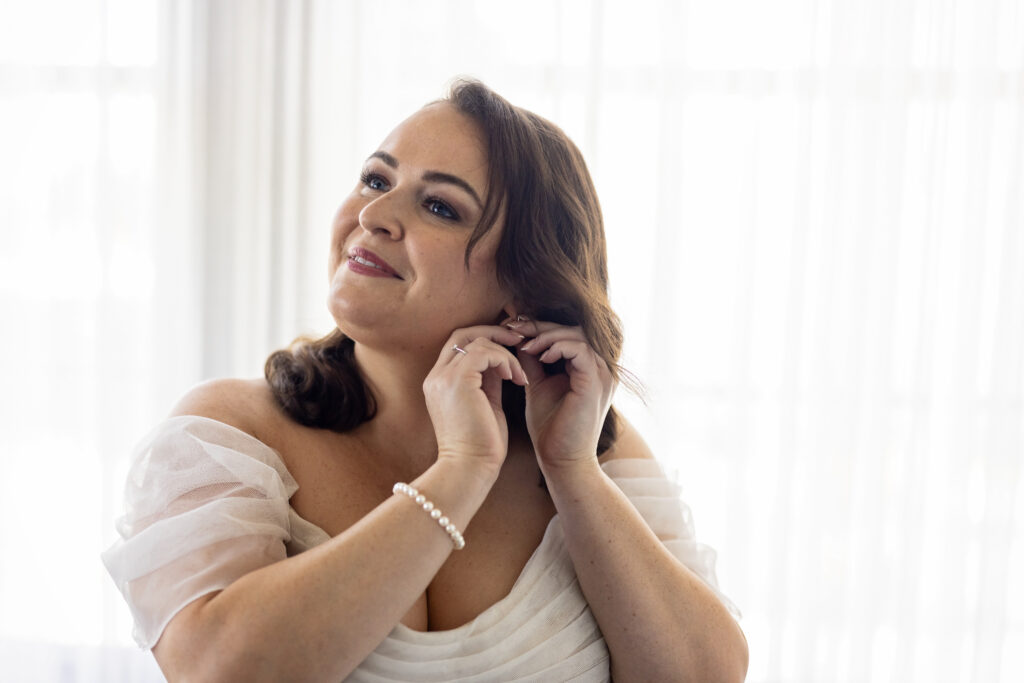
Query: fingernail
[527, 345]
[513, 325]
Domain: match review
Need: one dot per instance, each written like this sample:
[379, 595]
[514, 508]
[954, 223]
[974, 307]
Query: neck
[401, 430]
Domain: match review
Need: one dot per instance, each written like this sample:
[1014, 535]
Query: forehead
[439, 137]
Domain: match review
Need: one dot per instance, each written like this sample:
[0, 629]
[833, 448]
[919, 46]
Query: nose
[382, 216]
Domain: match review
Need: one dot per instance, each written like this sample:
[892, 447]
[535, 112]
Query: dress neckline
[401, 631]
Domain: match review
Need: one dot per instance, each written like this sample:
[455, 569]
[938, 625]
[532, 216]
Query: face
[397, 264]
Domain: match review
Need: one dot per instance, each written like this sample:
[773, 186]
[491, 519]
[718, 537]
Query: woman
[382, 506]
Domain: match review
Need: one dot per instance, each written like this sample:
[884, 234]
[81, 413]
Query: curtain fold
[256, 243]
[815, 218]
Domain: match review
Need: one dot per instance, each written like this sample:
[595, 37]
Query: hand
[566, 411]
[463, 394]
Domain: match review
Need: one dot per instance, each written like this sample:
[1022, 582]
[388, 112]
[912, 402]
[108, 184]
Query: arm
[659, 620]
[317, 615]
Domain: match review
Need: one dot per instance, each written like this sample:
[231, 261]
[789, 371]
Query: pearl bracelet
[457, 540]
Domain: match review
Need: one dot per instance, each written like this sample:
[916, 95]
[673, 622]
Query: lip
[383, 270]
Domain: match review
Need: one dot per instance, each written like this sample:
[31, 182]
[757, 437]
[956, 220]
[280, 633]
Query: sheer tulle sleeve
[657, 498]
[205, 504]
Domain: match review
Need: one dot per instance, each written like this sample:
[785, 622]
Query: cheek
[346, 219]
[483, 260]
[483, 271]
[480, 271]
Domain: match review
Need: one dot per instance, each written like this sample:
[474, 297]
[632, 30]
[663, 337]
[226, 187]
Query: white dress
[206, 503]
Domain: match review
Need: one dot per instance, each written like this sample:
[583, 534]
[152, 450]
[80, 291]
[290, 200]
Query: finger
[545, 339]
[491, 386]
[495, 333]
[533, 368]
[532, 328]
[582, 365]
[477, 366]
[578, 354]
[481, 355]
[462, 337]
[514, 318]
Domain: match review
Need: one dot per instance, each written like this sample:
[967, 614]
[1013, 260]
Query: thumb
[533, 368]
[491, 386]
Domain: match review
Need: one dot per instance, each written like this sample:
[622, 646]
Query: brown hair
[551, 258]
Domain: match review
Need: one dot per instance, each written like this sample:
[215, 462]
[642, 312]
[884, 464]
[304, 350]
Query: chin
[350, 317]
[366, 324]
[355, 327]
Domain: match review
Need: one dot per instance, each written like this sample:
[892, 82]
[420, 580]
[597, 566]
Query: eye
[373, 181]
[440, 208]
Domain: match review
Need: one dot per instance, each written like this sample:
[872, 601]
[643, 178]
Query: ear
[508, 313]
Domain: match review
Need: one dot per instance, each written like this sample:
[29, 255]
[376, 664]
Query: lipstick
[366, 262]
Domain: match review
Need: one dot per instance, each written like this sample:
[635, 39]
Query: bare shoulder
[628, 444]
[246, 404]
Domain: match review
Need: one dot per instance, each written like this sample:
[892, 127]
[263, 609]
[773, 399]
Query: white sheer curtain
[816, 225]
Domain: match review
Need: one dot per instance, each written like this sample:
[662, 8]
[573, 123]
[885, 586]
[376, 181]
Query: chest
[338, 486]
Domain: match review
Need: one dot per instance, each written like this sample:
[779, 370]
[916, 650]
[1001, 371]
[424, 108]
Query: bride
[439, 489]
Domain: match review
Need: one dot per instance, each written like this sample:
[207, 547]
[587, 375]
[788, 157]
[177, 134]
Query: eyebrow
[432, 176]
